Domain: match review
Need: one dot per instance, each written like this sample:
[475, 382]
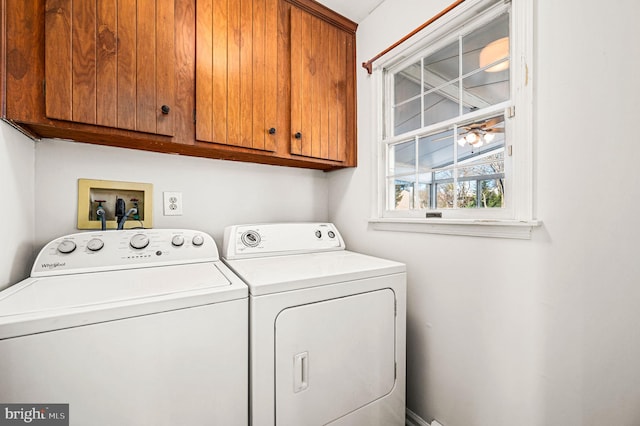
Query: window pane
[487, 192]
[435, 151]
[402, 194]
[475, 50]
[480, 137]
[402, 158]
[444, 194]
[492, 193]
[441, 104]
[467, 193]
[406, 117]
[483, 90]
[442, 66]
[406, 83]
[488, 45]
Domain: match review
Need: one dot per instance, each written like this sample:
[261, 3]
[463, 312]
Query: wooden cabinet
[111, 63]
[322, 79]
[236, 72]
[240, 78]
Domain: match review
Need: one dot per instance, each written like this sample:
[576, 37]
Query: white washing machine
[327, 327]
[136, 327]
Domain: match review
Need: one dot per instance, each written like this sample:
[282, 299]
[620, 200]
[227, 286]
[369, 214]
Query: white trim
[513, 229]
[522, 176]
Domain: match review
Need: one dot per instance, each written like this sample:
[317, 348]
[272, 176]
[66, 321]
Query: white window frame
[517, 218]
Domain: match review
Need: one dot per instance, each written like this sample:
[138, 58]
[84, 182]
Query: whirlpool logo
[36, 414]
[53, 265]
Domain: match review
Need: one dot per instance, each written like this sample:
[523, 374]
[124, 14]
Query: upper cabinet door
[322, 92]
[236, 72]
[111, 63]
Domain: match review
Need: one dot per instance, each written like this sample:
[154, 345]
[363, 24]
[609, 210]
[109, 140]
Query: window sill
[514, 229]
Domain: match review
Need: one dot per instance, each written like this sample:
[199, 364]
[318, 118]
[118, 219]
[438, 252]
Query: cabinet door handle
[298, 135]
[272, 130]
[165, 109]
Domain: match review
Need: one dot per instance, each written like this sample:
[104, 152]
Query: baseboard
[412, 419]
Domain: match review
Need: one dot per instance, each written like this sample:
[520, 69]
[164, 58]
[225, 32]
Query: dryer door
[333, 357]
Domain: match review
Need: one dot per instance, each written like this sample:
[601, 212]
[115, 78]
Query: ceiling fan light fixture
[488, 137]
[471, 138]
[495, 51]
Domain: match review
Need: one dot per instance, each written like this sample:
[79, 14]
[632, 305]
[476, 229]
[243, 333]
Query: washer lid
[266, 275]
[48, 303]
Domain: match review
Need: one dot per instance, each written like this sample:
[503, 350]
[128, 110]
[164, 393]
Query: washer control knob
[95, 244]
[66, 246]
[319, 234]
[139, 241]
[331, 234]
[197, 240]
[177, 240]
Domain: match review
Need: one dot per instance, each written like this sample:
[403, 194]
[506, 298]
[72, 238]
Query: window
[454, 117]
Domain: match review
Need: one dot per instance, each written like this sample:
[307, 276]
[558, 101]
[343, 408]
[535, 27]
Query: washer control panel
[275, 239]
[133, 248]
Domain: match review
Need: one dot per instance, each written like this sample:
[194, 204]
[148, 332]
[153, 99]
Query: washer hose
[103, 217]
[126, 216]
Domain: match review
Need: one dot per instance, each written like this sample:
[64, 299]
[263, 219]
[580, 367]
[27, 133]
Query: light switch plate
[172, 203]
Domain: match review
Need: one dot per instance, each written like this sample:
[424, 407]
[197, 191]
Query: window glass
[407, 117]
[488, 44]
[406, 84]
[485, 64]
[402, 194]
[479, 137]
[441, 104]
[402, 158]
[442, 66]
[435, 151]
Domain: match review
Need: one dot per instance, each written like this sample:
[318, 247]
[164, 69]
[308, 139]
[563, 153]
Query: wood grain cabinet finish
[111, 63]
[321, 73]
[236, 72]
[227, 79]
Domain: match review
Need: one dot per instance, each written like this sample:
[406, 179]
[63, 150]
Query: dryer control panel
[114, 250]
[277, 239]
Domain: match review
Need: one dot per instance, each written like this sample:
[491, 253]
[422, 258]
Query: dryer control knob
[250, 239]
[177, 240]
[139, 241]
[66, 246]
[197, 240]
[95, 244]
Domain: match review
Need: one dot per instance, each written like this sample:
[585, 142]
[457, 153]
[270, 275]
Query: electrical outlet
[172, 203]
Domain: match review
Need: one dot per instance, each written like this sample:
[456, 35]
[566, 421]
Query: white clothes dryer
[327, 327]
[135, 327]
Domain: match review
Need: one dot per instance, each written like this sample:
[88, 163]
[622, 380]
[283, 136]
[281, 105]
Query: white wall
[215, 193]
[17, 157]
[540, 332]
